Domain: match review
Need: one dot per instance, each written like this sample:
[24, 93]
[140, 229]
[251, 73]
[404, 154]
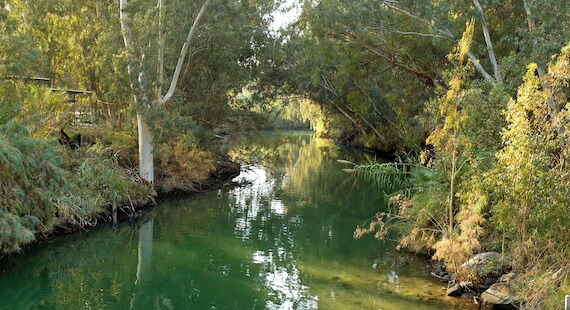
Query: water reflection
[253, 205]
[280, 240]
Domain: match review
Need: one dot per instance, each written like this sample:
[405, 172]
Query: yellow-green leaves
[465, 43]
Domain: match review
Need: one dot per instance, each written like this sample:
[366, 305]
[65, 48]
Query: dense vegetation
[476, 92]
[485, 115]
[64, 66]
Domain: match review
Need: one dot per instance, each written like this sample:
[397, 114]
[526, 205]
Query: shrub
[31, 181]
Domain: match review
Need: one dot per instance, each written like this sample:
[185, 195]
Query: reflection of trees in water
[267, 150]
[304, 174]
[261, 217]
[76, 273]
[299, 183]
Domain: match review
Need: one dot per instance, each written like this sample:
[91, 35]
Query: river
[279, 239]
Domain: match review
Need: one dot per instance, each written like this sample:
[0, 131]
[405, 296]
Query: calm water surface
[282, 239]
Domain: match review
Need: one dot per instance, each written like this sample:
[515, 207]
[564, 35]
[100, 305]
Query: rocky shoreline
[493, 288]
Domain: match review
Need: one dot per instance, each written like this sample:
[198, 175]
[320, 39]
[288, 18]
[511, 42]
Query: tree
[139, 84]
[343, 60]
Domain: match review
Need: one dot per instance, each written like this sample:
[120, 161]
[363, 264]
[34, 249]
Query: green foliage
[337, 56]
[496, 190]
[455, 159]
[40, 191]
[31, 180]
[98, 182]
[183, 167]
[9, 101]
[531, 183]
[121, 145]
[404, 176]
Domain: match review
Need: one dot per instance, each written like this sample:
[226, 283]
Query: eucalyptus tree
[74, 44]
[186, 57]
[137, 67]
[18, 58]
[374, 63]
[511, 33]
[373, 79]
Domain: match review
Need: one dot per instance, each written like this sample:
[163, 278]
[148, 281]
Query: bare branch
[419, 34]
[444, 32]
[488, 42]
[183, 53]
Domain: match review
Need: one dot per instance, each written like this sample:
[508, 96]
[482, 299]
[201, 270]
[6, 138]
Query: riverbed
[280, 237]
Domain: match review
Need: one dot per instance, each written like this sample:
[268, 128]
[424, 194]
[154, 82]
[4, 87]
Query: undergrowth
[44, 186]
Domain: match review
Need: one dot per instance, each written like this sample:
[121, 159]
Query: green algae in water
[282, 240]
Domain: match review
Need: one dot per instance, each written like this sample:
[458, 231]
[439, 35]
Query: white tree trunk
[183, 53]
[490, 49]
[444, 32]
[146, 164]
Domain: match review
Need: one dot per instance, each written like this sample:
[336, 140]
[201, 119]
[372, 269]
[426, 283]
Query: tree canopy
[476, 91]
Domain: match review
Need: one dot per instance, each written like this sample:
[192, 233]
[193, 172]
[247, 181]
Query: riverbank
[51, 188]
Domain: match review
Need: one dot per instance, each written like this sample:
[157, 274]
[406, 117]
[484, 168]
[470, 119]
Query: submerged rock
[438, 271]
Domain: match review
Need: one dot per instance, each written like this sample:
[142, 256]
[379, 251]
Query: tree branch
[539, 69]
[490, 49]
[445, 33]
[183, 53]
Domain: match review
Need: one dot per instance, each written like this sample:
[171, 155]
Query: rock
[499, 294]
[455, 290]
[438, 271]
[487, 264]
[486, 282]
[508, 277]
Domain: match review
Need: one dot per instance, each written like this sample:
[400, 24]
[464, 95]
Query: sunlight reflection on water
[281, 276]
[281, 239]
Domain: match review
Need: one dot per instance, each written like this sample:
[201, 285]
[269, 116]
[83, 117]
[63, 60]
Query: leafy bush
[182, 167]
[98, 182]
[39, 191]
[31, 181]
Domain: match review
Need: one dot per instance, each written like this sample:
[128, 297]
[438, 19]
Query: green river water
[282, 239]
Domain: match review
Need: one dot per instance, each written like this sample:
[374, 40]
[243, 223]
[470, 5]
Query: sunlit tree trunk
[146, 162]
[490, 49]
[445, 33]
[146, 165]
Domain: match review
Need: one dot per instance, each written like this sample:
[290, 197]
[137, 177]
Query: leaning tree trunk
[489, 44]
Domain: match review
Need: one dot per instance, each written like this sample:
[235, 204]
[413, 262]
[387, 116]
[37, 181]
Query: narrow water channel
[282, 239]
